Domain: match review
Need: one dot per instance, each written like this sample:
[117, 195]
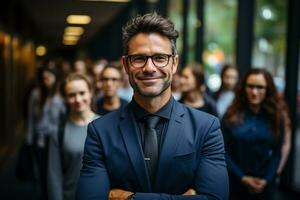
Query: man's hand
[254, 185]
[190, 192]
[118, 194]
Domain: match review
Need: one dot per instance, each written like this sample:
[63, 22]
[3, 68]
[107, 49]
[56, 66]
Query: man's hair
[112, 65]
[149, 23]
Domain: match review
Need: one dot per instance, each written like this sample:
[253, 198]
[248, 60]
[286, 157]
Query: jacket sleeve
[211, 178]
[94, 180]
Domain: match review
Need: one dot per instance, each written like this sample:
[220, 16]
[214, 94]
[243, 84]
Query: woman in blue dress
[253, 129]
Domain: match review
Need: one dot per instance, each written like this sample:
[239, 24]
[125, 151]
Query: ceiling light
[74, 30]
[78, 19]
[69, 42]
[71, 37]
[41, 50]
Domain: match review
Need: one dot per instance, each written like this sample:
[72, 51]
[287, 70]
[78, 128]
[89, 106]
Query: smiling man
[154, 148]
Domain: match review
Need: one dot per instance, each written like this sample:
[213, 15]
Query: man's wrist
[131, 197]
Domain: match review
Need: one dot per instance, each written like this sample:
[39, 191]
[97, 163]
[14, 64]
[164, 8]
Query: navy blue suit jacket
[192, 156]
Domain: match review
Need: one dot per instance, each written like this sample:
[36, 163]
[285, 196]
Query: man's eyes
[159, 58]
[139, 58]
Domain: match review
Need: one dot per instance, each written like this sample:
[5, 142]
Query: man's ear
[125, 64]
[175, 63]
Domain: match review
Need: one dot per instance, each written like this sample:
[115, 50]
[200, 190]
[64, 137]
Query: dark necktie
[151, 144]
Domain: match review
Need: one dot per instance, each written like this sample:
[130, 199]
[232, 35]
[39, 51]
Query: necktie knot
[151, 121]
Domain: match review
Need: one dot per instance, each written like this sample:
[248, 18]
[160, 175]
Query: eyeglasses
[258, 87]
[106, 79]
[158, 60]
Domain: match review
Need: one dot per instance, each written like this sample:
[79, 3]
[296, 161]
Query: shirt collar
[164, 112]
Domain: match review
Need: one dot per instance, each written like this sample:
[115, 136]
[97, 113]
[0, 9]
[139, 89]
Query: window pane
[175, 15]
[219, 39]
[192, 25]
[270, 38]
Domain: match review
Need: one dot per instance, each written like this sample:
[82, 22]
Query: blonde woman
[66, 147]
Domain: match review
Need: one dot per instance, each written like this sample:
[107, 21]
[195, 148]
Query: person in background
[175, 87]
[224, 96]
[44, 108]
[110, 82]
[125, 91]
[193, 89]
[66, 147]
[253, 132]
[80, 67]
[96, 73]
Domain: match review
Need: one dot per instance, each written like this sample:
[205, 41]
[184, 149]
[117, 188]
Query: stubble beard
[137, 89]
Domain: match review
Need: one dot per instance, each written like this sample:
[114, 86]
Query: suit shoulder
[198, 113]
[200, 118]
[107, 120]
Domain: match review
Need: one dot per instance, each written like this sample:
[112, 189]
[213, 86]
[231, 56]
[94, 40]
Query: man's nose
[149, 66]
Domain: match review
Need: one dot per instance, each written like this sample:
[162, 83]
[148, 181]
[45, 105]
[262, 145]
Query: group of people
[59, 110]
[142, 142]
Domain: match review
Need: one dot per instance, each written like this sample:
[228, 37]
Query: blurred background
[248, 33]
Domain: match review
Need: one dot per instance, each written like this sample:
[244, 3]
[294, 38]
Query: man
[110, 83]
[181, 156]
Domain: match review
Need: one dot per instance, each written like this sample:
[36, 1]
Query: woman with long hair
[45, 107]
[253, 133]
[66, 147]
[225, 95]
[193, 89]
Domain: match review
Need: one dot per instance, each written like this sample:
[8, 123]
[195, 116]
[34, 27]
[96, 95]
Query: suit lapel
[134, 149]
[171, 140]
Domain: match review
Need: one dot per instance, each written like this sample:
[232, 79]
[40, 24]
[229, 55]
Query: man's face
[110, 80]
[150, 80]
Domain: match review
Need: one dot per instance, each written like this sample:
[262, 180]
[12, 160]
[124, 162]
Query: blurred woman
[253, 133]
[44, 109]
[176, 86]
[224, 96]
[193, 89]
[66, 147]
